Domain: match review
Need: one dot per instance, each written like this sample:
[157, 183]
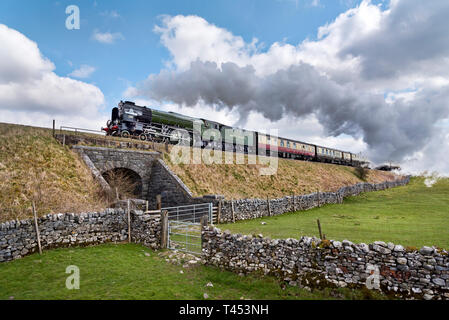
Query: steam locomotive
[129, 120]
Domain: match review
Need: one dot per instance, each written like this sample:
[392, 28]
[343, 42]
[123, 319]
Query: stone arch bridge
[146, 169]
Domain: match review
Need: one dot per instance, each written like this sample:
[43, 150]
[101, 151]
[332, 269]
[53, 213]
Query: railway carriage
[294, 149]
[266, 144]
[238, 140]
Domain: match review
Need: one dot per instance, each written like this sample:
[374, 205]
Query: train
[129, 120]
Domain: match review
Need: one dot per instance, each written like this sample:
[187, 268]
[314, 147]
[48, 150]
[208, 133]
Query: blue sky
[375, 81]
[140, 53]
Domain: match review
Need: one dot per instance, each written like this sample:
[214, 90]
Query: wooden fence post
[164, 229]
[54, 128]
[268, 206]
[233, 211]
[38, 236]
[319, 228]
[203, 221]
[146, 206]
[129, 223]
[219, 212]
[318, 193]
[159, 202]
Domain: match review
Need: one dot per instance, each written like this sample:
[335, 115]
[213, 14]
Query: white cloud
[107, 37]
[19, 58]
[84, 71]
[316, 3]
[191, 37]
[110, 14]
[34, 94]
[397, 51]
[432, 158]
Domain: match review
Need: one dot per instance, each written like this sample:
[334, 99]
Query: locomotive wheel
[143, 137]
[125, 134]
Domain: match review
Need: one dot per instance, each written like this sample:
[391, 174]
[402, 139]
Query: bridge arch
[146, 171]
[125, 182]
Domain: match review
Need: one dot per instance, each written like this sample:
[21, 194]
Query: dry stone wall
[18, 238]
[146, 229]
[245, 209]
[311, 262]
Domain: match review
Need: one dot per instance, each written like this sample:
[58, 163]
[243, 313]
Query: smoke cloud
[391, 130]
[378, 72]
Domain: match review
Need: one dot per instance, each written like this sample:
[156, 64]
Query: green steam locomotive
[129, 120]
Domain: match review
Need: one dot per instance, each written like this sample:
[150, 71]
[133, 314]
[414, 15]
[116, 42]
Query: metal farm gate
[184, 227]
[191, 213]
[184, 236]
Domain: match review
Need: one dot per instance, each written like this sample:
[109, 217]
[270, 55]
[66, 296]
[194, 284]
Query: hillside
[244, 181]
[34, 166]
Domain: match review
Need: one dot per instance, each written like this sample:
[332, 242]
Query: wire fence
[75, 135]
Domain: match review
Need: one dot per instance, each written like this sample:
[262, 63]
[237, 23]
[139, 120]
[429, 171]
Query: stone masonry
[311, 262]
[105, 159]
[18, 238]
[155, 176]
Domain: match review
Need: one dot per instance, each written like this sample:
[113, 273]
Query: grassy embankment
[413, 215]
[33, 165]
[126, 272]
[244, 181]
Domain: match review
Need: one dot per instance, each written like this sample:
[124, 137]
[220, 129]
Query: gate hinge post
[164, 229]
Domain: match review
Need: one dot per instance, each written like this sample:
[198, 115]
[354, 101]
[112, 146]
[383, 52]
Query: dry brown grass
[123, 186]
[243, 180]
[34, 166]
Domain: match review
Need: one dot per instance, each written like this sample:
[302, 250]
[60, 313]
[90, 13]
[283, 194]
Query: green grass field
[124, 271]
[413, 215]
